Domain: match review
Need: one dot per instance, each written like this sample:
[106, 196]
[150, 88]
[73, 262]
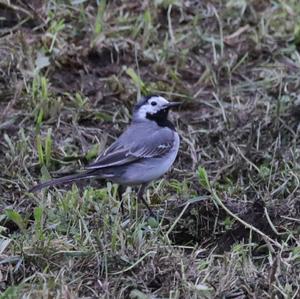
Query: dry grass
[228, 225]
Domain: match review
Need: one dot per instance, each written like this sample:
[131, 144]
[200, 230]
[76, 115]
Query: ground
[228, 212]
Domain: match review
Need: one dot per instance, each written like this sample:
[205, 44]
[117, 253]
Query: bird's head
[154, 108]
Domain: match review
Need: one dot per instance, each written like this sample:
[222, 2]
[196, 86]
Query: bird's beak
[172, 105]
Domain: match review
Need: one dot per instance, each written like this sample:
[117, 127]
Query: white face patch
[152, 106]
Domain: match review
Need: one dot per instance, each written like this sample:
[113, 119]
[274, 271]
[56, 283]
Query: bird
[143, 153]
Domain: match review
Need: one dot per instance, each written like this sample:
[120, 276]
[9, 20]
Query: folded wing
[134, 145]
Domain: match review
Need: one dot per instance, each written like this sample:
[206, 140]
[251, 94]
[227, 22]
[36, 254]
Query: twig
[15, 7]
[246, 224]
[170, 26]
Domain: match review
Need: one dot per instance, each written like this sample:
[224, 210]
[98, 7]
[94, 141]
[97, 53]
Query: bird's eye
[153, 103]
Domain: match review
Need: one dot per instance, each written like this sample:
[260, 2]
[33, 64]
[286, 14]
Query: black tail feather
[63, 180]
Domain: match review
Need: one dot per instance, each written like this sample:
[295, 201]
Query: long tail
[63, 180]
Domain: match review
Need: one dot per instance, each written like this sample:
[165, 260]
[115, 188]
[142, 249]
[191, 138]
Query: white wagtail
[143, 153]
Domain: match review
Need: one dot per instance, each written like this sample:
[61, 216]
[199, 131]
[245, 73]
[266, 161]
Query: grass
[228, 224]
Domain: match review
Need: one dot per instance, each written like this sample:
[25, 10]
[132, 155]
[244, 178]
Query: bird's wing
[133, 145]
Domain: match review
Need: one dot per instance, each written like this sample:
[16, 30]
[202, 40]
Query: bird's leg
[121, 190]
[140, 197]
